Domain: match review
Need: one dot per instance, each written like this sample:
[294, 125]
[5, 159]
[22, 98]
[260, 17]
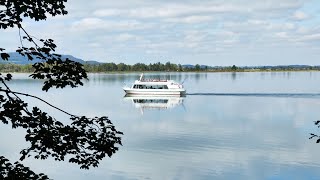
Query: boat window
[159, 101]
[150, 86]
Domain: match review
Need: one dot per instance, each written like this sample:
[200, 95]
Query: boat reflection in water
[155, 102]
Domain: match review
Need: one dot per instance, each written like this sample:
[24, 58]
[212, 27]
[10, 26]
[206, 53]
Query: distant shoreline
[112, 68]
[128, 72]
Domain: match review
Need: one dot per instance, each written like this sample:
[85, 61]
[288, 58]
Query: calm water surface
[229, 126]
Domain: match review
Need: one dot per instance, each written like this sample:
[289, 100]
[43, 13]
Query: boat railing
[154, 80]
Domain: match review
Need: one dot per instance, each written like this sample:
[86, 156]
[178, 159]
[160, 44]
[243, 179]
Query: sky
[208, 32]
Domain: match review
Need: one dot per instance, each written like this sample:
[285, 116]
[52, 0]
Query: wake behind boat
[155, 87]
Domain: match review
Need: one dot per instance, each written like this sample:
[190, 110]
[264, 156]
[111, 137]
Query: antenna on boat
[141, 77]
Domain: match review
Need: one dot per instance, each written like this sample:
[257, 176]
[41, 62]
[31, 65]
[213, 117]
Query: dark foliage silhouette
[85, 141]
[315, 136]
[17, 171]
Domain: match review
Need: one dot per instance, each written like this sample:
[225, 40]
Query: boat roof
[155, 82]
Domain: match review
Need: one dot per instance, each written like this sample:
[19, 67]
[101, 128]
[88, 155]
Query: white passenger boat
[155, 87]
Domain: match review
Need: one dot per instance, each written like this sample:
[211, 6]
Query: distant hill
[190, 66]
[92, 62]
[16, 58]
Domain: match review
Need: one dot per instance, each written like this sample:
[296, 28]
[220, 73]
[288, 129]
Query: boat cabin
[143, 86]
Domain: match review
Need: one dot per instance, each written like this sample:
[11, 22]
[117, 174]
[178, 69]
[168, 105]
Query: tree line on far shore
[121, 67]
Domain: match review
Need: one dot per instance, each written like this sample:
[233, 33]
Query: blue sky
[211, 32]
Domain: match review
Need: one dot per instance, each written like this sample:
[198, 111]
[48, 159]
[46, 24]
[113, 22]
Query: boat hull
[154, 91]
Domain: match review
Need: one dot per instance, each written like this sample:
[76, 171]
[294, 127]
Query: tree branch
[28, 95]
[20, 37]
[30, 38]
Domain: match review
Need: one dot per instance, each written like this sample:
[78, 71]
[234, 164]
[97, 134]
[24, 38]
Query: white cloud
[155, 52]
[190, 19]
[165, 11]
[94, 45]
[127, 37]
[298, 15]
[88, 23]
[98, 23]
[282, 34]
[178, 9]
[173, 28]
[302, 30]
[311, 37]
[195, 36]
[108, 12]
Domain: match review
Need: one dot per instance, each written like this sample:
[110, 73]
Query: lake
[229, 126]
